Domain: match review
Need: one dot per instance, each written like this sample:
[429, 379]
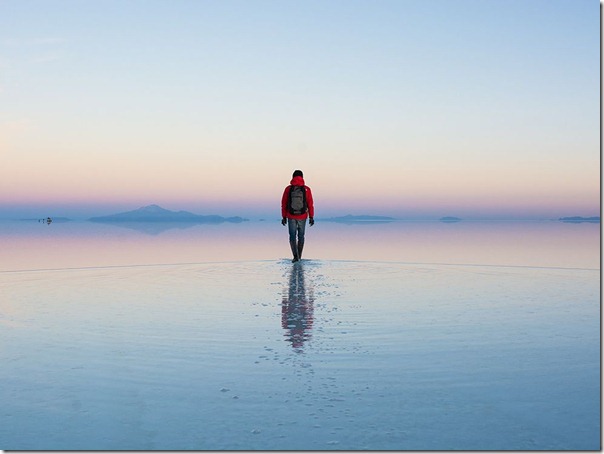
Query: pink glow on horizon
[220, 188]
[324, 208]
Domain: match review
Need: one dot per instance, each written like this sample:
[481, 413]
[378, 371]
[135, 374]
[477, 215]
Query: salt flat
[325, 354]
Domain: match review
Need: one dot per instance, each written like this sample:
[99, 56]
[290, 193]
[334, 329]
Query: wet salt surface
[322, 355]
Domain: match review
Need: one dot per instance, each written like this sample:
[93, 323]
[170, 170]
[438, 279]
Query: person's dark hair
[298, 173]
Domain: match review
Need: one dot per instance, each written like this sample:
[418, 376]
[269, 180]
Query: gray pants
[296, 227]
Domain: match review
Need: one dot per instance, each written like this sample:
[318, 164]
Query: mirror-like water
[30, 245]
[432, 337]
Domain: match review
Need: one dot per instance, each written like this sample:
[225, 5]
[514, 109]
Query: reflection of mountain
[350, 219]
[155, 213]
[151, 228]
[577, 219]
[297, 308]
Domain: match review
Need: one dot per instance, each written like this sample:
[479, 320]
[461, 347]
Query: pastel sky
[410, 108]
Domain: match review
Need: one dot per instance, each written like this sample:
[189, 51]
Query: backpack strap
[289, 197]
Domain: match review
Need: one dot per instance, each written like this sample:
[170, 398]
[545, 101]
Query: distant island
[577, 219]
[450, 219]
[351, 219]
[155, 213]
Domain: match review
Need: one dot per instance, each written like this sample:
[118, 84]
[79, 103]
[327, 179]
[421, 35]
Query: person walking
[296, 206]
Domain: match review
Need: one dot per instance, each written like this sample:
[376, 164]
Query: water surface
[30, 245]
[432, 336]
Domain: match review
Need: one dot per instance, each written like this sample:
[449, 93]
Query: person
[297, 206]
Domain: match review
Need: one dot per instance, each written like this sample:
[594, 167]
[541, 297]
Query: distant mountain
[351, 219]
[577, 219]
[450, 219]
[155, 213]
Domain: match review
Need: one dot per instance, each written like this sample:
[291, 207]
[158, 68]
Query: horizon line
[83, 214]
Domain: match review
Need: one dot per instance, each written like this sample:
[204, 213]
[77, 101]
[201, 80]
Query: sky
[407, 108]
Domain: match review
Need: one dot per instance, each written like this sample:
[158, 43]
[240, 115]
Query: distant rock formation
[450, 219]
[155, 213]
[577, 219]
[351, 219]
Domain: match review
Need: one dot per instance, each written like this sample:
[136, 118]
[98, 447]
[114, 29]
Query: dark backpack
[296, 202]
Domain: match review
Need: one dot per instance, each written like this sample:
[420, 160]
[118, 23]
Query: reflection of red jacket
[297, 181]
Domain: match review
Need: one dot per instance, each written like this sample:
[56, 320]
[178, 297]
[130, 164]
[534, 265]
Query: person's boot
[300, 247]
[294, 251]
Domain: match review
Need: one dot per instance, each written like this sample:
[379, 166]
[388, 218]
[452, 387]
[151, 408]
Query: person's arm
[309, 203]
[284, 202]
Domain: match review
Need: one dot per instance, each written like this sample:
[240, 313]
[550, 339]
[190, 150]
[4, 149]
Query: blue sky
[420, 108]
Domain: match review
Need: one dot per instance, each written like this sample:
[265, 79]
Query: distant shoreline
[349, 219]
[578, 219]
[157, 214]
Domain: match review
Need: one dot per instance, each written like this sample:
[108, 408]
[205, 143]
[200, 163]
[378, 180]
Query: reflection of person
[297, 205]
[297, 309]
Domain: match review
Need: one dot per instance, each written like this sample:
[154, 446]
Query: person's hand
[283, 221]
[311, 221]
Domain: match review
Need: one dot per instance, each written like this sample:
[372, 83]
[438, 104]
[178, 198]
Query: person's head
[297, 173]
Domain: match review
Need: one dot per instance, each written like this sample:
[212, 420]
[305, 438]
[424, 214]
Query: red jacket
[297, 181]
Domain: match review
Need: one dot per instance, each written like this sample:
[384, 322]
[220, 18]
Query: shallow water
[30, 245]
[331, 353]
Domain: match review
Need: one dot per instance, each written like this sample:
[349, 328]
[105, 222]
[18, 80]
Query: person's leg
[301, 230]
[292, 227]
